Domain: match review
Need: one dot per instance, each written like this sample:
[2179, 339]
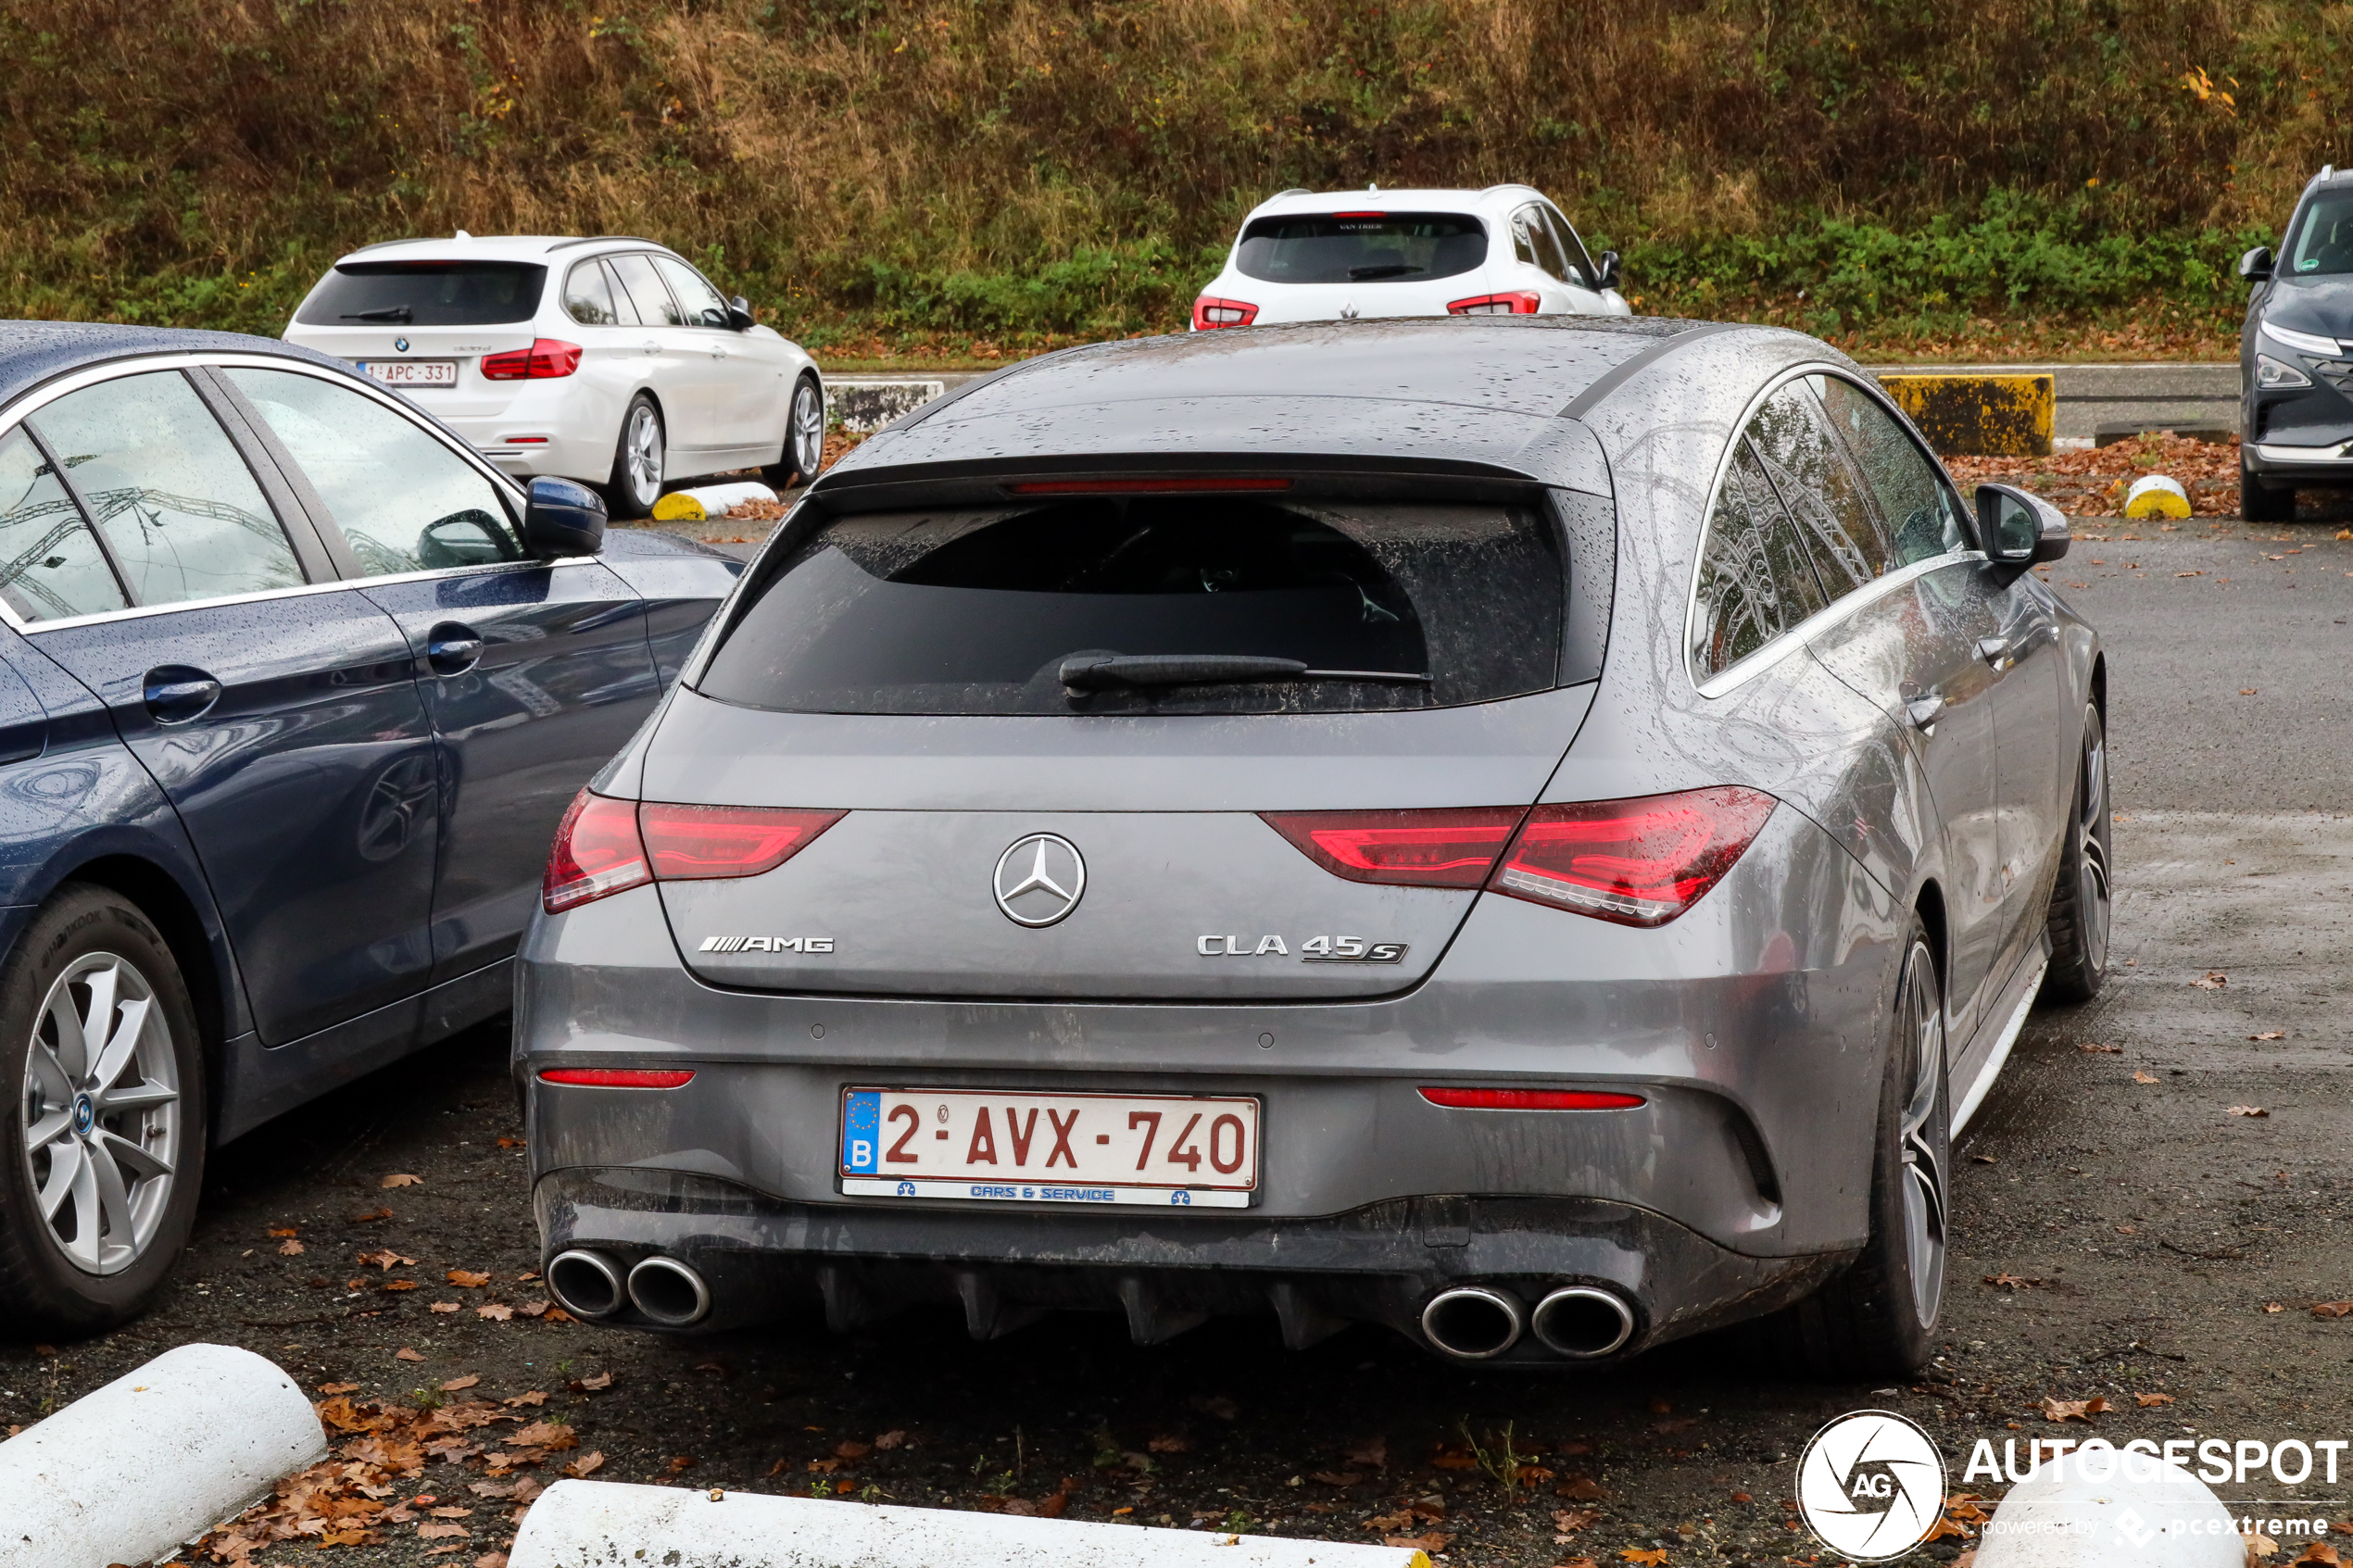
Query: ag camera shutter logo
[1871, 1485]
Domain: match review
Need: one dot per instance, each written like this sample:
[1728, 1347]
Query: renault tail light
[692, 843]
[1526, 1100]
[1448, 847]
[1518, 302]
[546, 358]
[1210, 312]
[596, 853]
[1638, 862]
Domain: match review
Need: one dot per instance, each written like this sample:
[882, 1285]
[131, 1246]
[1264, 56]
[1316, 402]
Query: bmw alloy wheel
[808, 435]
[641, 455]
[1925, 1192]
[101, 1110]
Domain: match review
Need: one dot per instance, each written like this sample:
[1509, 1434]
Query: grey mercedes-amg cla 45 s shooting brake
[1534, 832]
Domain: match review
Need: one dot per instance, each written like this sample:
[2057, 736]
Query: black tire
[1877, 1317]
[86, 950]
[637, 473]
[804, 437]
[2259, 502]
[2083, 897]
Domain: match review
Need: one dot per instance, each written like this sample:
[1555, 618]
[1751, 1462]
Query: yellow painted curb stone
[2156, 494]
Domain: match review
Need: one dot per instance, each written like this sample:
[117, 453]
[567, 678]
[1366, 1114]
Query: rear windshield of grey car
[982, 612]
[425, 293]
[1361, 247]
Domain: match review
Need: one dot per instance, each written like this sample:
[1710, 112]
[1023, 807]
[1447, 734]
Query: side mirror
[1608, 265]
[2019, 529]
[739, 314]
[2256, 265]
[563, 518]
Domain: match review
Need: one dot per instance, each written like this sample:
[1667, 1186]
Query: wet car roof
[33, 352]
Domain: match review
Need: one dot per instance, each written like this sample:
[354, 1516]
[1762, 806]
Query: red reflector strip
[1139, 486]
[619, 1077]
[1445, 848]
[695, 843]
[1360, 215]
[1530, 1099]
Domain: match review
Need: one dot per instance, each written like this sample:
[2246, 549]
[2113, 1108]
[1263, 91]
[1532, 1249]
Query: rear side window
[425, 293]
[1810, 474]
[1922, 516]
[1755, 580]
[588, 297]
[979, 611]
[177, 505]
[50, 565]
[1361, 247]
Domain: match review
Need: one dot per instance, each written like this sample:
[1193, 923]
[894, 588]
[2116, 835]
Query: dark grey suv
[1533, 832]
[2296, 376]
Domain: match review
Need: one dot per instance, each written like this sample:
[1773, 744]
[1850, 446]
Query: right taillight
[1426, 848]
[606, 846]
[1638, 862]
[1518, 302]
[1210, 312]
[596, 853]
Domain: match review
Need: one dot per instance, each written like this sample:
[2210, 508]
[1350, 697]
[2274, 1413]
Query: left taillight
[1638, 862]
[606, 846]
[546, 358]
[596, 853]
[1518, 302]
[1209, 313]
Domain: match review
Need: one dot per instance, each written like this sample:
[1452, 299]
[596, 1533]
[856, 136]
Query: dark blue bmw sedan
[293, 690]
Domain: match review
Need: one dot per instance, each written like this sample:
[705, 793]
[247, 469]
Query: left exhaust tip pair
[591, 1286]
[1477, 1321]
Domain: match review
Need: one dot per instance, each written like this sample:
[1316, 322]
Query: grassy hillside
[970, 175]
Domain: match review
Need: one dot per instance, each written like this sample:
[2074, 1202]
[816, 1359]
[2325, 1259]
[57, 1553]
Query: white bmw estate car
[610, 360]
[1339, 255]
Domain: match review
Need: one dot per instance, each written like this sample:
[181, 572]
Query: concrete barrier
[2107, 1506]
[129, 1471]
[577, 1524]
[1999, 416]
[865, 404]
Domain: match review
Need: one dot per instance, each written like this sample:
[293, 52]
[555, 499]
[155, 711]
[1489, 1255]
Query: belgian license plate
[412, 372]
[989, 1146]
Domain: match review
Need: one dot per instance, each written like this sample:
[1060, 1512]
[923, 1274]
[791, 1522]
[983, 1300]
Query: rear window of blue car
[985, 610]
[425, 293]
[1366, 247]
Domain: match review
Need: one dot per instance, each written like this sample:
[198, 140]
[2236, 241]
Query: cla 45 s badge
[1316, 949]
[767, 945]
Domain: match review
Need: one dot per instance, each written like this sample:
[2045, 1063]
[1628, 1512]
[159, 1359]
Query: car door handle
[1924, 711]
[452, 650]
[649, 346]
[1999, 652]
[179, 694]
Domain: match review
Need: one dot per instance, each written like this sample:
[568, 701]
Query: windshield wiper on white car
[1385, 269]
[382, 313]
[1089, 673]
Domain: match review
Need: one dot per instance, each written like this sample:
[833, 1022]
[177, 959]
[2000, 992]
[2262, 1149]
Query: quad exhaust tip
[669, 1292]
[1582, 1322]
[586, 1284]
[1473, 1322]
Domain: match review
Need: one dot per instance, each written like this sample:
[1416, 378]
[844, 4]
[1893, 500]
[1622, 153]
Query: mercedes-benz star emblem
[1040, 879]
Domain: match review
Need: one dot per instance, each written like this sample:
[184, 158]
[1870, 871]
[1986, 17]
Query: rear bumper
[1381, 1262]
[548, 427]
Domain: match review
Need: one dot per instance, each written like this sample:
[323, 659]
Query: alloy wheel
[808, 431]
[642, 454]
[101, 1113]
[2093, 891]
[1924, 1137]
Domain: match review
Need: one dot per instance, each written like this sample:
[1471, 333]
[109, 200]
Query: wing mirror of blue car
[563, 518]
[739, 314]
[1608, 266]
[2256, 265]
[2017, 528]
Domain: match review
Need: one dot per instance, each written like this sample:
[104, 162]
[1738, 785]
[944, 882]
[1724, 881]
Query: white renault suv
[608, 360]
[1339, 255]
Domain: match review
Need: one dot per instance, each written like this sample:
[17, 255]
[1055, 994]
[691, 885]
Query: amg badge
[767, 944]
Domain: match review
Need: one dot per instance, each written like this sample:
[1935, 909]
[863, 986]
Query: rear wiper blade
[1381, 270]
[1090, 673]
[382, 313]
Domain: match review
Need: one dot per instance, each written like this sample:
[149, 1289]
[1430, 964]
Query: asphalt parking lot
[2157, 1246]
